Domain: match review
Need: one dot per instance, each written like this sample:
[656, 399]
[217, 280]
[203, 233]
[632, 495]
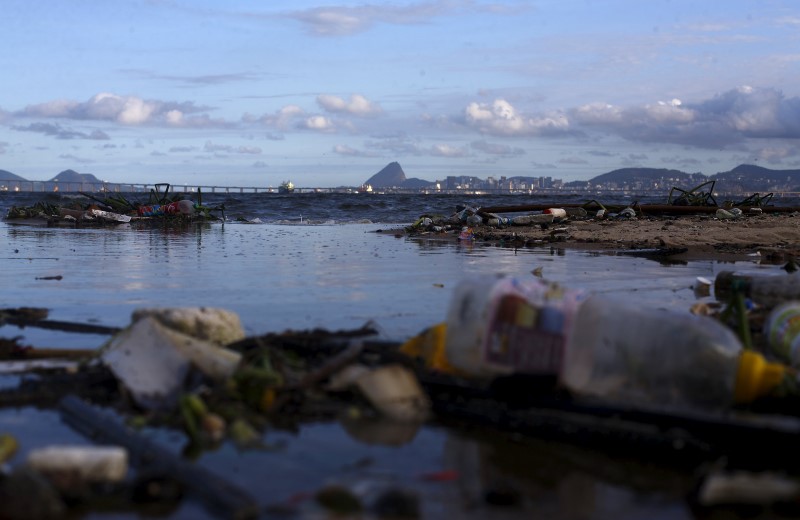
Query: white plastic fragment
[395, 392]
[152, 361]
[86, 463]
[218, 326]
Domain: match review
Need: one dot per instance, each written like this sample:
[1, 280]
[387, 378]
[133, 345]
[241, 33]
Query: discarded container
[185, 207]
[88, 464]
[782, 329]
[556, 212]
[509, 325]
[466, 234]
[152, 361]
[724, 214]
[766, 290]
[600, 346]
[395, 392]
[527, 220]
[213, 324]
[629, 353]
[627, 213]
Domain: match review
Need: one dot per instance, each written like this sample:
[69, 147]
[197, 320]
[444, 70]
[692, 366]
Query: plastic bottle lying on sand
[599, 346]
[766, 290]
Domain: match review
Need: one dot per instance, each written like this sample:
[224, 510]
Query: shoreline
[774, 238]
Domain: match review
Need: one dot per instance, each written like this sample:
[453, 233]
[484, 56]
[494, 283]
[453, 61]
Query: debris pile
[523, 355]
[114, 209]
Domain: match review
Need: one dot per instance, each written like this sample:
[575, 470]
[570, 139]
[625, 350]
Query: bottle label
[529, 327]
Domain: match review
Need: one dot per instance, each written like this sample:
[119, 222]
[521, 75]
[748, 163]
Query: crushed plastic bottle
[184, 207]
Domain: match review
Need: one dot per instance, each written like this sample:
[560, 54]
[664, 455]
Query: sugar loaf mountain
[744, 179]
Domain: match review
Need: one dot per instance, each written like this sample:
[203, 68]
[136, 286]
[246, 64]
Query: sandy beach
[775, 237]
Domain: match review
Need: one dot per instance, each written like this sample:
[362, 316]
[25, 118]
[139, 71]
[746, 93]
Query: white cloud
[318, 123]
[496, 148]
[352, 152]
[501, 118]
[282, 119]
[126, 110]
[358, 105]
[211, 147]
[445, 150]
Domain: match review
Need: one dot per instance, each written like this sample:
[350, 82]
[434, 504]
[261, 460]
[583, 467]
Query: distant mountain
[8, 176]
[393, 176]
[73, 176]
[633, 175]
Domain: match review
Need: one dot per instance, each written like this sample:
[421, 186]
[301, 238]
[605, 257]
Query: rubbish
[395, 392]
[152, 361]
[503, 325]
[766, 290]
[466, 234]
[596, 345]
[527, 220]
[429, 346]
[216, 325]
[8, 447]
[628, 353]
[220, 496]
[627, 213]
[782, 329]
[724, 214]
[744, 487]
[702, 287]
[556, 212]
[184, 207]
[80, 464]
[110, 216]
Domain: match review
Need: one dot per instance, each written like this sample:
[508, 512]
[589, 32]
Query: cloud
[3, 147]
[59, 132]
[126, 110]
[496, 148]
[347, 151]
[445, 150]
[357, 106]
[224, 148]
[346, 20]
[318, 123]
[282, 119]
[502, 119]
[74, 158]
[726, 119]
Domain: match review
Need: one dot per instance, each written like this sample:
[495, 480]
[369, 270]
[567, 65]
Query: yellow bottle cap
[756, 376]
[429, 345]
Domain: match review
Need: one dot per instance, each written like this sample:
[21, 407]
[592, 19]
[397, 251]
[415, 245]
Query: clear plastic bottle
[782, 330]
[631, 353]
[509, 325]
[595, 345]
[766, 290]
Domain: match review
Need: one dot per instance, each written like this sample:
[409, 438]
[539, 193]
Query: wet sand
[773, 236]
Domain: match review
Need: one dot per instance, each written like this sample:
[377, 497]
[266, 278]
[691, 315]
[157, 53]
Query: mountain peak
[392, 175]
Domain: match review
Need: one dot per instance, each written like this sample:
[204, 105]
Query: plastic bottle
[782, 330]
[600, 346]
[556, 212]
[667, 359]
[766, 290]
[184, 207]
[507, 325]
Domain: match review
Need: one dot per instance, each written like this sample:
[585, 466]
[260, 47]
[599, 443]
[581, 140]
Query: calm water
[332, 261]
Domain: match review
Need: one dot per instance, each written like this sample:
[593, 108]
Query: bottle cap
[430, 346]
[756, 376]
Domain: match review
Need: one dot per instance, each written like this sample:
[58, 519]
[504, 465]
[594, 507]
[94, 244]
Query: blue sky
[251, 93]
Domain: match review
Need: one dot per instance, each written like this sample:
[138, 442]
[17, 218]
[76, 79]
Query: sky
[325, 94]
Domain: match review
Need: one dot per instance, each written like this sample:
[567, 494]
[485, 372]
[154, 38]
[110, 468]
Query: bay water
[338, 261]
